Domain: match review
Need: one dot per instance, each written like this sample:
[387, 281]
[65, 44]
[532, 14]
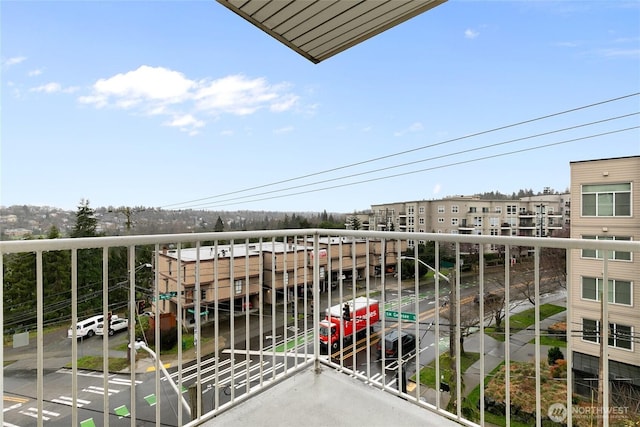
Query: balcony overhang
[318, 30]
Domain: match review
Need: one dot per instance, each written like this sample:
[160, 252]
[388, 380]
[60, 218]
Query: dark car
[391, 344]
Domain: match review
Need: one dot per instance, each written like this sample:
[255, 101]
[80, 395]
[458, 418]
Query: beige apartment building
[278, 270]
[541, 215]
[606, 195]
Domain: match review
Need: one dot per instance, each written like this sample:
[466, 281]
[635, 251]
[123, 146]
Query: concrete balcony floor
[328, 398]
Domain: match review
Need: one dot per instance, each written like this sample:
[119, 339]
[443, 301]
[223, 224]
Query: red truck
[342, 321]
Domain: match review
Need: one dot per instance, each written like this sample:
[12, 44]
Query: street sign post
[403, 316]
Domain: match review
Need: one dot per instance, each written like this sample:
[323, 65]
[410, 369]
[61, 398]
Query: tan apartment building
[606, 195]
[278, 270]
[541, 215]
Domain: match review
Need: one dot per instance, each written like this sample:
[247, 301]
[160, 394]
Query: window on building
[477, 221]
[511, 209]
[454, 208]
[590, 330]
[494, 222]
[454, 221]
[440, 208]
[238, 286]
[620, 336]
[421, 210]
[472, 209]
[421, 231]
[523, 210]
[410, 210]
[441, 220]
[606, 200]
[614, 255]
[203, 294]
[619, 291]
[498, 209]
[421, 221]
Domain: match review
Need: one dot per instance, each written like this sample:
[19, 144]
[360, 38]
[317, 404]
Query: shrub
[553, 355]
[559, 370]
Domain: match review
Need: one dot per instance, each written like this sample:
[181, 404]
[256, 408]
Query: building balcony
[268, 365]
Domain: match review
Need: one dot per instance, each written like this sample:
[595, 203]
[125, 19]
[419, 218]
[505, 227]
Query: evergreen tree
[56, 276]
[89, 261]
[219, 227]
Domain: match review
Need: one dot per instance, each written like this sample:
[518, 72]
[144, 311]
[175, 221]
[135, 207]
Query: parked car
[391, 343]
[87, 327]
[117, 325]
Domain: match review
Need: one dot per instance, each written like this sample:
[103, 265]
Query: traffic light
[346, 312]
[141, 306]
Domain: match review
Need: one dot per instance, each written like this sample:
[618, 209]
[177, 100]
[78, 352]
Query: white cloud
[34, 73]
[14, 61]
[185, 121]
[160, 91]
[414, 127]
[470, 33]
[52, 87]
[286, 129]
[437, 188]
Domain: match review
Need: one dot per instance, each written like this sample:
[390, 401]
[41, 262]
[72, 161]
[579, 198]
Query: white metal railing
[254, 349]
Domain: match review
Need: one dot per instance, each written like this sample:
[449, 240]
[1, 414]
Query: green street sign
[404, 316]
[168, 295]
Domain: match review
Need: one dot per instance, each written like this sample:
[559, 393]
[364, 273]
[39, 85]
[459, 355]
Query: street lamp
[141, 345]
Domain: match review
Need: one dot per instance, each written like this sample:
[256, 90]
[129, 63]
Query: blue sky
[186, 105]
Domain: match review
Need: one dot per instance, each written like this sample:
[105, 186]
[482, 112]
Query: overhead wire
[430, 168]
[455, 153]
[187, 204]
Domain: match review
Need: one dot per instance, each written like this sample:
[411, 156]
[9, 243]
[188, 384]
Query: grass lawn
[525, 319]
[95, 363]
[428, 372]
[551, 341]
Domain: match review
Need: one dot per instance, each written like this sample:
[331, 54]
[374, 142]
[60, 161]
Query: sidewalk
[521, 350]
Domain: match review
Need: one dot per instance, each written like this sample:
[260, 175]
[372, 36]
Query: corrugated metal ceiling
[319, 29]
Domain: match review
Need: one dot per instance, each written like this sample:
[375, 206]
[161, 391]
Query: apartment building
[541, 215]
[279, 270]
[606, 195]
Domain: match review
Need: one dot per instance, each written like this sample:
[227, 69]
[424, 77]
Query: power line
[429, 169]
[175, 205]
[422, 160]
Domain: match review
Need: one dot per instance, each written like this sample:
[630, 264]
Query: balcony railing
[257, 330]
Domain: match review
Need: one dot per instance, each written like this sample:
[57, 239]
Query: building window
[454, 221]
[511, 209]
[615, 255]
[410, 220]
[523, 211]
[477, 221]
[619, 335]
[410, 210]
[485, 210]
[472, 209]
[494, 222]
[498, 209]
[441, 220]
[421, 231]
[421, 221]
[203, 294]
[440, 208]
[619, 290]
[454, 208]
[421, 210]
[606, 200]
[238, 286]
